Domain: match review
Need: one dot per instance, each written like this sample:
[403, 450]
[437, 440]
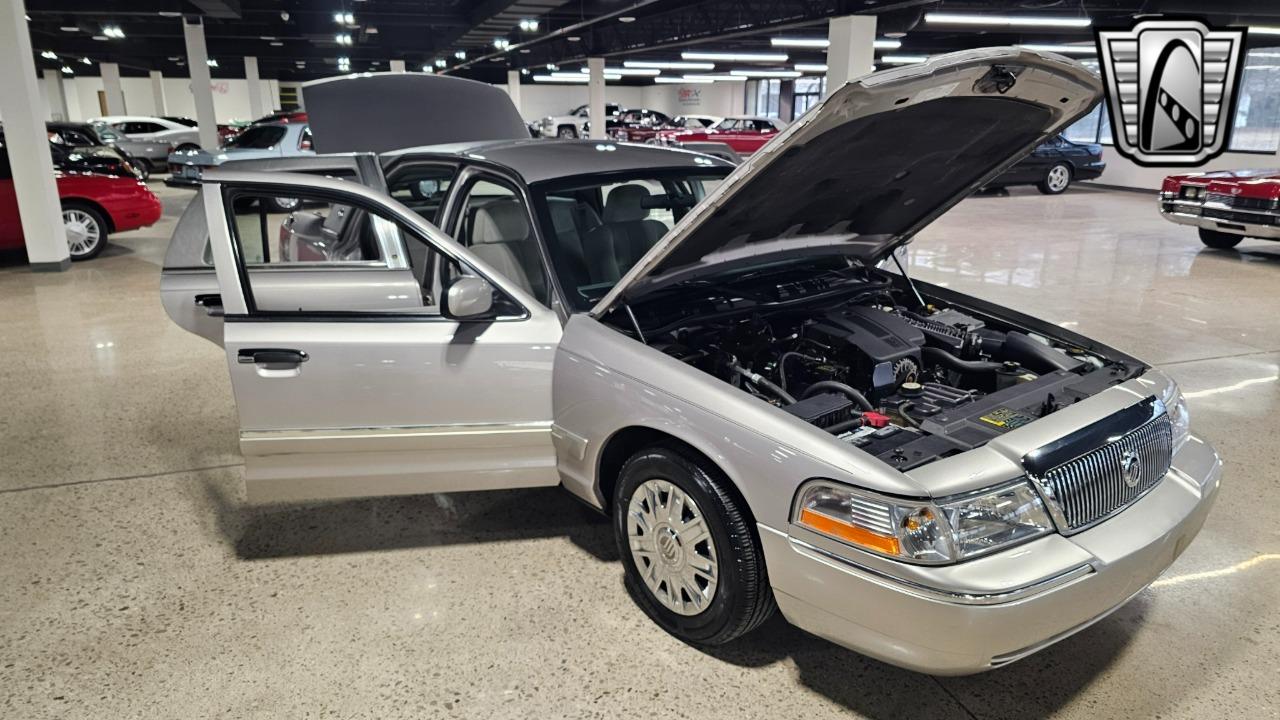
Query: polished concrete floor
[135, 581]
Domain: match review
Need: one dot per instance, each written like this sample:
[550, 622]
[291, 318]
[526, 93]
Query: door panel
[388, 396]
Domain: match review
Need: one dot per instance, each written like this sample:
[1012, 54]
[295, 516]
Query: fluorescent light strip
[717, 78]
[566, 75]
[1060, 48]
[765, 73]
[879, 43]
[734, 57]
[679, 80]
[552, 79]
[810, 67]
[1264, 30]
[1005, 20]
[669, 65]
[903, 59]
[626, 71]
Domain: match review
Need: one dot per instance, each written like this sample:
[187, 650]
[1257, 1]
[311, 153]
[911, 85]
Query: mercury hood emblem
[1131, 468]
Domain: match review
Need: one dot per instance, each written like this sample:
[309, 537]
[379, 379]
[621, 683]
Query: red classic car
[745, 134]
[92, 207]
[1228, 205]
[679, 123]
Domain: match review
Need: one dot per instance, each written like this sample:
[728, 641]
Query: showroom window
[1257, 121]
[763, 97]
[1086, 128]
[807, 94]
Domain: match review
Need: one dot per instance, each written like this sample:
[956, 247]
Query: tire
[712, 531]
[86, 230]
[281, 205]
[1219, 240]
[567, 131]
[187, 147]
[143, 167]
[1056, 180]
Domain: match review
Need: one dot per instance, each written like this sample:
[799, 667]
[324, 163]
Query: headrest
[624, 204]
[502, 221]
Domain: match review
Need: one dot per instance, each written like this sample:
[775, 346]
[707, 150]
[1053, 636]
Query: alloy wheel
[1058, 179]
[83, 232]
[671, 547]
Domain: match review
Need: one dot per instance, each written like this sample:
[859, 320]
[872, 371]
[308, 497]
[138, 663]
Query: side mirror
[468, 298]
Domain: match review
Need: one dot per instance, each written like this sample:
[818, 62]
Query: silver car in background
[256, 142]
[716, 357]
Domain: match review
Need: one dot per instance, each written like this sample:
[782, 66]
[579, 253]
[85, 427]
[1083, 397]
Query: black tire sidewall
[1219, 240]
[102, 229]
[719, 622]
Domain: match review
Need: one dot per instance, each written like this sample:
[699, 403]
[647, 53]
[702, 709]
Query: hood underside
[875, 162]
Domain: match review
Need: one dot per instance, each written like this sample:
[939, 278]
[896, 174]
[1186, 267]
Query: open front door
[351, 376]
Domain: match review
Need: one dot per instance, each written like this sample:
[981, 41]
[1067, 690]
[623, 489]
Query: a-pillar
[513, 89]
[157, 93]
[28, 144]
[852, 50]
[595, 97]
[57, 95]
[201, 82]
[255, 88]
[111, 88]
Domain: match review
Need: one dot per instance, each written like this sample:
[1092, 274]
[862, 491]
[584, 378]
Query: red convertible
[745, 134]
[1228, 205]
[92, 207]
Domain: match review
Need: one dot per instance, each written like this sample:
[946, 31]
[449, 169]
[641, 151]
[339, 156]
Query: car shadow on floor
[391, 523]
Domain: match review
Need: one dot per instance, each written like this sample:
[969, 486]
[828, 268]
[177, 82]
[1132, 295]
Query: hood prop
[910, 284]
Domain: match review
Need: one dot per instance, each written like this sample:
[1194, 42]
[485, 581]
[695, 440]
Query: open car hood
[377, 112]
[871, 165]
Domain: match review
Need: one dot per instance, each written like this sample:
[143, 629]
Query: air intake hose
[1021, 348]
[951, 362]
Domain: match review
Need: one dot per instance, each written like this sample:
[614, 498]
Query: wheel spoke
[675, 556]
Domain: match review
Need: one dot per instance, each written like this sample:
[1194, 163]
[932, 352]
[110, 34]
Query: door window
[495, 224]
[140, 128]
[422, 188]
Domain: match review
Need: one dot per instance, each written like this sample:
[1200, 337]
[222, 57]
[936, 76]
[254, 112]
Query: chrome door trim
[256, 443]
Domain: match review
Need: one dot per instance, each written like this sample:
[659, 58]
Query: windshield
[259, 137]
[105, 132]
[598, 227]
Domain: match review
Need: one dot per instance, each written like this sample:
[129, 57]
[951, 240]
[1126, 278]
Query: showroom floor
[136, 582]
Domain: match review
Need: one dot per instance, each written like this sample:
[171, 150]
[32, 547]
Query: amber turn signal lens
[828, 525]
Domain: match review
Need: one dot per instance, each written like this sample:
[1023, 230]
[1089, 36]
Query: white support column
[851, 53]
[157, 93]
[57, 95]
[595, 97]
[397, 66]
[198, 63]
[111, 88]
[28, 145]
[255, 89]
[513, 89]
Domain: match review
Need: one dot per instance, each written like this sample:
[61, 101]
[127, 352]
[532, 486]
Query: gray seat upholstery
[500, 236]
[626, 235]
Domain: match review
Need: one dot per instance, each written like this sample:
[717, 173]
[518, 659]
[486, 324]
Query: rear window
[259, 137]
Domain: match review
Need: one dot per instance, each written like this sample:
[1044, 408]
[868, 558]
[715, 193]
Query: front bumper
[1261, 224]
[987, 612]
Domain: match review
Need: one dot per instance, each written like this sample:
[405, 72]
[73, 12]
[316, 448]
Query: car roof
[537, 160]
[130, 118]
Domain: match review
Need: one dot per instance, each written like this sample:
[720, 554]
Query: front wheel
[1056, 180]
[282, 204]
[86, 231]
[691, 559]
[567, 132]
[1219, 240]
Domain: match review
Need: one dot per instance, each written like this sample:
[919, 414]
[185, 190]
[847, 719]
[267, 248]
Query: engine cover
[874, 343]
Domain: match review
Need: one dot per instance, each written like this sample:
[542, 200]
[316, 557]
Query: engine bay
[857, 352]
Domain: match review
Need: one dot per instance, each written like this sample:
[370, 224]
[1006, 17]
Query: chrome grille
[1243, 203]
[1093, 487]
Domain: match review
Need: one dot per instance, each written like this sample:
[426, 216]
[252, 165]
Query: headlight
[923, 531]
[1179, 419]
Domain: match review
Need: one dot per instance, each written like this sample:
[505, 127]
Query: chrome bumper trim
[951, 596]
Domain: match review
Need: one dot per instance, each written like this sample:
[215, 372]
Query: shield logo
[1171, 86]
[1131, 468]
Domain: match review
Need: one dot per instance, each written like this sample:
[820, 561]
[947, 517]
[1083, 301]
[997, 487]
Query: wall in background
[1122, 172]
[230, 97]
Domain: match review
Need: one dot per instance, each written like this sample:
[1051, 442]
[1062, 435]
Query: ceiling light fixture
[113, 31]
[524, 71]
[903, 59]
[440, 62]
[668, 65]
[460, 54]
[49, 55]
[501, 43]
[344, 18]
[733, 57]
[566, 75]
[529, 25]
[811, 67]
[627, 71]
[552, 79]
[69, 28]
[1005, 20]
[879, 43]
[573, 38]
[86, 61]
[683, 80]
[1264, 30]
[552, 67]
[211, 62]
[1061, 48]
[765, 73]
[67, 69]
[717, 78]
[626, 19]
[276, 43]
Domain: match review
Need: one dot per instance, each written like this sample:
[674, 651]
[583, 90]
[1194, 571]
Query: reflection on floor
[136, 582]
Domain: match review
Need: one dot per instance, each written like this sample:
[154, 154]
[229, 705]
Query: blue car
[257, 142]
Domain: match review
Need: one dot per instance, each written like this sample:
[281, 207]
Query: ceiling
[298, 39]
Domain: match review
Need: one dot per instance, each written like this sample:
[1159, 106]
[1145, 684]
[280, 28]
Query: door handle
[212, 304]
[271, 356]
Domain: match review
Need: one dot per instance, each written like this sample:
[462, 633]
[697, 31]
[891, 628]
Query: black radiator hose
[952, 362]
[1019, 347]
[764, 383]
[833, 386]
